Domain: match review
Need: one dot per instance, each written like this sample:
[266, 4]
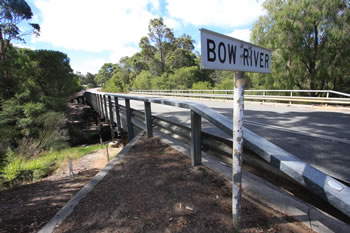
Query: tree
[181, 55]
[42, 81]
[105, 73]
[310, 41]
[163, 37]
[87, 80]
[12, 12]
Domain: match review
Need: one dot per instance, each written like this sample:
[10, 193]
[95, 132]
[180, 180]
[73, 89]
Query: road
[319, 137]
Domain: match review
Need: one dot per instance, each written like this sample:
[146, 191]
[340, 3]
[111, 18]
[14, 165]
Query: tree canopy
[310, 40]
[164, 62]
[12, 12]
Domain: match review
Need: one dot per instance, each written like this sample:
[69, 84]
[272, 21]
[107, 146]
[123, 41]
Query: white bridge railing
[290, 96]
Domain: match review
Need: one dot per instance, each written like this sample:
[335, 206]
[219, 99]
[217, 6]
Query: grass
[19, 170]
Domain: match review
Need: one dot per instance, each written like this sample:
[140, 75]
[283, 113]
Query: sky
[93, 32]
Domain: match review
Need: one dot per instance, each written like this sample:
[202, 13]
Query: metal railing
[290, 96]
[107, 106]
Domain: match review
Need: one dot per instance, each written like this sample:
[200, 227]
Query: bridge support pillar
[196, 125]
[148, 119]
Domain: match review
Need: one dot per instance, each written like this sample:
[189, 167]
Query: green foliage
[105, 73]
[225, 84]
[42, 80]
[19, 169]
[12, 13]
[11, 171]
[87, 80]
[143, 81]
[310, 41]
[184, 77]
[201, 86]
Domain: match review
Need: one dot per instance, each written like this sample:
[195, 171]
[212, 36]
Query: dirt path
[27, 208]
[155, 189]
[93, 161]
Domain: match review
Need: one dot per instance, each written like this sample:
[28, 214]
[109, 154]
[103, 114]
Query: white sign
[220, 52]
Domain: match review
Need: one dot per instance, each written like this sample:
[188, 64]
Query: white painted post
[238, 108]
[264, 93]
[70, 167]
[107, 152]
[291, 95]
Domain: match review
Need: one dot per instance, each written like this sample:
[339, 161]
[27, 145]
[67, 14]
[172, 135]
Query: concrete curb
[263, 192]
[69, 207]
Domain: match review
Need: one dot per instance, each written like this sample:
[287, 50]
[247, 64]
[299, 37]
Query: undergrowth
[18, 170]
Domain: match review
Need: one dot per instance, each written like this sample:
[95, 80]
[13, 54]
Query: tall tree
[163, 37]
[310, 40]
[12, 12]
[181, 55]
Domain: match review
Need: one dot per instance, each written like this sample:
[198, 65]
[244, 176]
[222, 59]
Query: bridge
[299, 142]
[319, 136]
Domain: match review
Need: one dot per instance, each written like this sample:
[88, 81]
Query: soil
[154, 188]
[29, 207]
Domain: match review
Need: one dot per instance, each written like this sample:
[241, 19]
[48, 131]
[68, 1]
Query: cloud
[23, 46]
[218, 13]
[95, 26]
[88, 65]
[242, 34]
[172, 23]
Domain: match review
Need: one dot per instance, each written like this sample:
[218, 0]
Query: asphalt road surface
[318, 136]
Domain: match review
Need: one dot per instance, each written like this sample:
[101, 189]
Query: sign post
[220, 52]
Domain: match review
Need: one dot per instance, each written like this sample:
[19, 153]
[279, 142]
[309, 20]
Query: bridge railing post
[94, 102]
[117, 113]
[101, 106]
[129, 120]
[148, 119]
[111, 118]
[196, 124]
[105, 108]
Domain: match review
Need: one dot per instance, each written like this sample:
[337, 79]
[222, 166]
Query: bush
[47, 131]
[11, 171]
[18, 170]
[201, 86]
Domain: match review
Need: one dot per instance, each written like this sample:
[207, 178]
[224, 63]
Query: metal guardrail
[328, 188]
[329, 96]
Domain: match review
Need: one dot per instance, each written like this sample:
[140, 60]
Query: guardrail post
[101, 107]
[117, 113]
[327, 97]
[128, 120]
[196, 124]
[111, 117]
[238, 109]
[148, 119]
[264, 93]
[96, 103]
[291, 95]
[105, 109]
